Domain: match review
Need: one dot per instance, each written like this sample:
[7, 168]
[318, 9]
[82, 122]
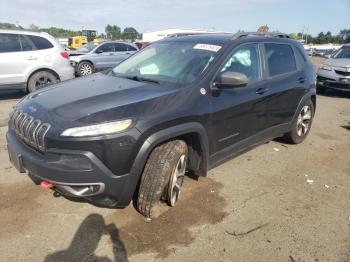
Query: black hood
[96, 98]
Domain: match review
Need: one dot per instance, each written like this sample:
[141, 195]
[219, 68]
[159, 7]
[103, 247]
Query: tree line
[113, 32]
[324, 38]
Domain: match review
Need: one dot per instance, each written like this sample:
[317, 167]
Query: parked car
[90, 58]
[183, 104]
[30, 61]
[334, 73]
[142, 45]
[328, 53]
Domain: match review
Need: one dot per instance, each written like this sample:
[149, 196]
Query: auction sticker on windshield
[213, 48]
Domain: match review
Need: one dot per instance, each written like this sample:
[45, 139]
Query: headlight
[99, 129]
[326, 67]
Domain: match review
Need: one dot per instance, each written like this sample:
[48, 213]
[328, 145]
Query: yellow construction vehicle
[87, 36]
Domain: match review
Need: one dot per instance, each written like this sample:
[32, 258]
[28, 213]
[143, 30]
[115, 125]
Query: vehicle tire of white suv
[41, 79]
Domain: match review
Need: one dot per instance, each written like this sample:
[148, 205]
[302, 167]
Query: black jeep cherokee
[181, 104]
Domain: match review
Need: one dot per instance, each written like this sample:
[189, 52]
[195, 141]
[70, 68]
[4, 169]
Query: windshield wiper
[142, 79]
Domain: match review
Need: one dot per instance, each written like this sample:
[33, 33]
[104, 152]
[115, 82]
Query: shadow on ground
[4, 95]
[336, 93]
[85, 242]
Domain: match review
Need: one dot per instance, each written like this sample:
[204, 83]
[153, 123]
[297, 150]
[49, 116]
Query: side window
[300, 58]
[108, 47]
[40, 42]
[131, 48]
[245, 60]
[9, 43]
[26, 44]
[280, 58]
[119, 47]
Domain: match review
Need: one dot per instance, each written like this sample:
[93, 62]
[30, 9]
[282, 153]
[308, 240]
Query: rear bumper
[73, 173]
[67, 73]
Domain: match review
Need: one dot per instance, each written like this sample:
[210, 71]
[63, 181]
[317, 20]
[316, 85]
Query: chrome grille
[29, 130]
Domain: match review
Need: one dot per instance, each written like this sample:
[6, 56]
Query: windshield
[343, 52]
[178, 63]
[87, 47]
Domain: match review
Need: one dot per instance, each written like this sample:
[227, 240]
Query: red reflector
[46, 185]
[65, 55]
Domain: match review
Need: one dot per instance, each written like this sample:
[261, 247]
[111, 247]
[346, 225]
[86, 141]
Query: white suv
[31, 60]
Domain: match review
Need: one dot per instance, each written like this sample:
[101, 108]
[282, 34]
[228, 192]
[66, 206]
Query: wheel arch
[40, 70]
[193, 134]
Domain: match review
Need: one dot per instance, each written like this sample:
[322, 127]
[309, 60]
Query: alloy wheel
[176, 180]
[304, 120]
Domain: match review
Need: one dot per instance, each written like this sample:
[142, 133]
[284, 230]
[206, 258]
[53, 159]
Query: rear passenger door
[286, 80]
[122, 52]
[17, 56]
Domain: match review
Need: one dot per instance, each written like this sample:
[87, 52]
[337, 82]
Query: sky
[289, 16]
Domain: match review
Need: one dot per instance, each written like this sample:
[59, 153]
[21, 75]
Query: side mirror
[231, 80]
[99, 51]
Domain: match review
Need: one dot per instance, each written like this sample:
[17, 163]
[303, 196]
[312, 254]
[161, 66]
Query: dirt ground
[256, 207]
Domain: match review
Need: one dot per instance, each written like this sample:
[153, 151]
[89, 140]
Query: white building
[322, 47]
[158, 35]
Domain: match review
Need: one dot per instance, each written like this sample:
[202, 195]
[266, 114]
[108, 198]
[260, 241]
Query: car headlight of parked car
[98, 129]
[326, 67]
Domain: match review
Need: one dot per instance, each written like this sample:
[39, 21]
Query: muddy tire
[164, 163]
[302, 123]
[85, 68]
[40, 80]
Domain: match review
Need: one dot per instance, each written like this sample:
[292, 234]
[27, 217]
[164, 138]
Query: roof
[5, 31]
[222, 38]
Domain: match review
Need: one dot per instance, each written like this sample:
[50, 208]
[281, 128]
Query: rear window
[9, 43]
[280, 58]
[120, 47]
[131, 48]
[40, 42]
[26, 44]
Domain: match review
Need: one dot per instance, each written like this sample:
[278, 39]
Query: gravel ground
[256, 207]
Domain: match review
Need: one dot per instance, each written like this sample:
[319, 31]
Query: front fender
[159, 137]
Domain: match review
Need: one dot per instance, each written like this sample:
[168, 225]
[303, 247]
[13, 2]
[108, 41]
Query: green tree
[34, 27]
[130, 33]
[113, 32]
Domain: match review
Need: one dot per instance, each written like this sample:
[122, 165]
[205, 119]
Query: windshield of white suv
[87, 47]
[343, 52]
[178, 63]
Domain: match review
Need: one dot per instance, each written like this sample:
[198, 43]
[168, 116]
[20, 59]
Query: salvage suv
[181, 105]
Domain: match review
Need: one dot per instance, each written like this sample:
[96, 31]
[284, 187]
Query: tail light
[65, 55]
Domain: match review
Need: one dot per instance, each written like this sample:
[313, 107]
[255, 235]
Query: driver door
[239, 113]
[104, 56]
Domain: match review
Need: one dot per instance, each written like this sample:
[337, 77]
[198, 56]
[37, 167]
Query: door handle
[32, 58]
[261, 91]
[127, 53]
[111, 54]
[301, 80]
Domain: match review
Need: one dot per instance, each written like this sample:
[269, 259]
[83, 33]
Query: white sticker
[213, 48]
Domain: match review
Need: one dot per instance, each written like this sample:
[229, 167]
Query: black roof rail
[267, 34]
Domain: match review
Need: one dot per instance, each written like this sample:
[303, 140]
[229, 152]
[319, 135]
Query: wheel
[85, 68]
[162, 177]
[302, 123]
[41, 79]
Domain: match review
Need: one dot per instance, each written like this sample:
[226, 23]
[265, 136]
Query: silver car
[31, 60]
[334, 73]
[90, 58]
